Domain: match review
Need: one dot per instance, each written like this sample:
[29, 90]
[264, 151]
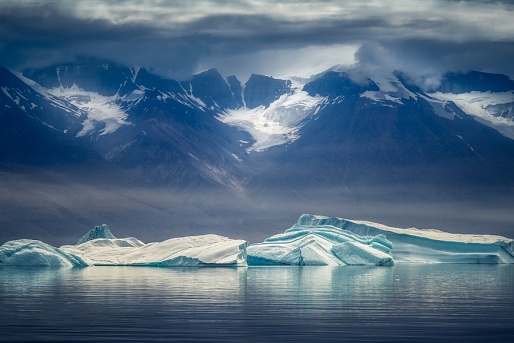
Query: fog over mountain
[165, 120]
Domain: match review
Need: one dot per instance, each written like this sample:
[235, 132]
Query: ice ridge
[413, 245]
[321, 245]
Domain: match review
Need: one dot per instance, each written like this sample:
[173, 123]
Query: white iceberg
[423, 246]
[321, 245]
[29, 252]
[202, 250]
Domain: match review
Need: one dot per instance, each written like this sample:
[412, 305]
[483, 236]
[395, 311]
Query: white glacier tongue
[101, 231]
[495, 109]
[29, 252]
[321, 245]
[425, 246]
[277, 124]
[99, 108]
[203, 250]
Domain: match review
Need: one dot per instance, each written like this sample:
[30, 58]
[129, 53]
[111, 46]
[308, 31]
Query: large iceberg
[423, 246]
[202, 250]
[321, 245]
[29, 252]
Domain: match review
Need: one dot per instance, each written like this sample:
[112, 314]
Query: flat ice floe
[425, 246]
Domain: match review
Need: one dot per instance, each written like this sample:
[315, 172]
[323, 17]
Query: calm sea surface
[406, 303]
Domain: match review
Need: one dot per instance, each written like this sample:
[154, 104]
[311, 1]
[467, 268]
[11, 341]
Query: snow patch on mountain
[391, 91]
[440, 107]
[276, 124]
[492, 109]
[100, 109]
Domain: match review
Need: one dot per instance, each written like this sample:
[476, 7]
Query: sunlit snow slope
[276, 124]
[495, 109]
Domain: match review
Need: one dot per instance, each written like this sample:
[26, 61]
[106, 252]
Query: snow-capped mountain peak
[391, 90]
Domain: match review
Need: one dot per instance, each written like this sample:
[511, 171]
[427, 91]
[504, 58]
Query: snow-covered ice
[321, 245]
[425, 246]
[29, 252]
[99, 108]
[493, 109]
[203, 250]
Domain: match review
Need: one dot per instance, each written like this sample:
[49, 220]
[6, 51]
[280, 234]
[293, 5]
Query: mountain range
[93, 141]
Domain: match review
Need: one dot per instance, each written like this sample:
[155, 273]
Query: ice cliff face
[321, 245]
[425, 246]
[101, 231]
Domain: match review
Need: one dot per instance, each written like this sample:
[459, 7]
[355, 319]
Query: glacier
[321, 245]
[99, 108]
[494, 109]
[413, 245]
[277, 124]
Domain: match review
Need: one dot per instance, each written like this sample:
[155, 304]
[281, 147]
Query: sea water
[404, 303]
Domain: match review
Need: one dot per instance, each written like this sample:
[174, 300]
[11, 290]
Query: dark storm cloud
[38, 35]
[176, 38]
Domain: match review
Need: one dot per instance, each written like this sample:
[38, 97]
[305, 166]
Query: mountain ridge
[268, 146]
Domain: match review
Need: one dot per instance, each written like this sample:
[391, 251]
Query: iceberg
[99, 247]
[29, 252]
[413, 245]
[321, 245]
[101, 231]
[202, 250]
[313, 240]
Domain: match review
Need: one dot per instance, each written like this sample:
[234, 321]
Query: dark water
[422, 303]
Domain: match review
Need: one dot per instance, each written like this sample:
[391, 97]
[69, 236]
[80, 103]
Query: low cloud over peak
[179, 38]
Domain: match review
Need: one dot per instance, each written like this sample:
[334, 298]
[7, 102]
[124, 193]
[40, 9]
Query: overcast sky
[178, 38]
